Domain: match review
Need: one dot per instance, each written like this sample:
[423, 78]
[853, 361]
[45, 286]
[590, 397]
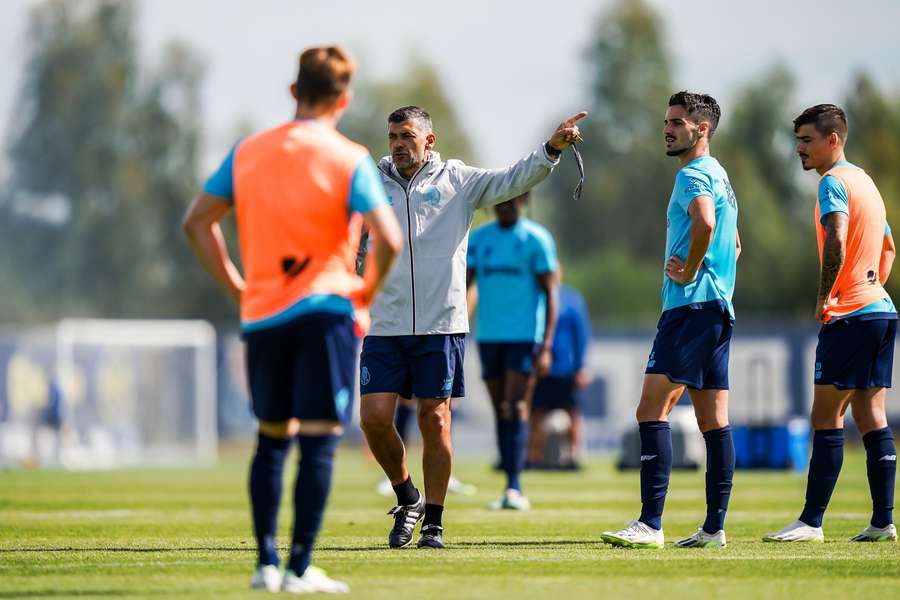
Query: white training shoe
[701, 539]
[313, 580]
[384, 487]
[636, 535]
[455, 486]
[876, 534]
[266, 577]
[511, 500]
[798, 531]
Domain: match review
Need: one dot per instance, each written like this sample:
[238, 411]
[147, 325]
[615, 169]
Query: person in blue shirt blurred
[513, 260]
[567, 375]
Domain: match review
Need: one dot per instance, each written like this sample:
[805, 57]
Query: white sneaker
[636, 535]
[798, 531]
[313, 580]
[876, 534]
[701, 539]
[455, 486]
[511, 500]
[384, 487]
[266, 577]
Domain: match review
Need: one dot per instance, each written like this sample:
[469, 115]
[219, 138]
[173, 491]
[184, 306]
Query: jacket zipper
[409, 237]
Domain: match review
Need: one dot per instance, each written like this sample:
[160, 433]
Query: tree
[104, 161]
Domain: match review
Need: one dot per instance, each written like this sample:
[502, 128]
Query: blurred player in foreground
[301, 192]
[513, 262]
[694, 333]
[855, 353]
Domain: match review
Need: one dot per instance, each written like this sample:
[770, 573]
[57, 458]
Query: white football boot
[314, 580]
[798, 531]
[266, 577]
[701, 539]
[636, 535]
[876, 534]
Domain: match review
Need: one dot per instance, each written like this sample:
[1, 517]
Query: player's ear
[344, 100]
[834, 139]
[294, 91]
[430, 140]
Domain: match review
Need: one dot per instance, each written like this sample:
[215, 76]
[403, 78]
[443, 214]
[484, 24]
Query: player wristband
[551, 151]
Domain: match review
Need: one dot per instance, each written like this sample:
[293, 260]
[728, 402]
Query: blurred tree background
[105, 155]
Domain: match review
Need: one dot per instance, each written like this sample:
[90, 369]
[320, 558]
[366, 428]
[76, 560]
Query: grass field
[186, 534]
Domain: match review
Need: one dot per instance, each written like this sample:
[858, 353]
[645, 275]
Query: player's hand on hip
[677, 272]
[567, 133]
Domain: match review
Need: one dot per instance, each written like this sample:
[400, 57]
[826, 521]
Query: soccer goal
[137, 392]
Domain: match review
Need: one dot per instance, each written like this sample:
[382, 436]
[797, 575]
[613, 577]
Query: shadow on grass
[469, 545]
[71, 593]
[248, 549]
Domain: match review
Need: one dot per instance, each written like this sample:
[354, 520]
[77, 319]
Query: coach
[416, 344]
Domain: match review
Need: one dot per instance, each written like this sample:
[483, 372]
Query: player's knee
[375, 420]
[433, 423]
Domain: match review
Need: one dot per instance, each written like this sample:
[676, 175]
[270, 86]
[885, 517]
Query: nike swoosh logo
[646, 457]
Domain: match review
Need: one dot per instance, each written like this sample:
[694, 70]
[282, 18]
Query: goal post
[140, 392]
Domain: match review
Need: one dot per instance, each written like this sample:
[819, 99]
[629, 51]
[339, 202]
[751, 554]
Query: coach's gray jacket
[425, 292]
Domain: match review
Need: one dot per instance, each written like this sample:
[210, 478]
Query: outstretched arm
[703, 225]
[487, 187]
[201, 226]
[833, 253]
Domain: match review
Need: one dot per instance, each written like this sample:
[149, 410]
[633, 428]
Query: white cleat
[701, 539]
[636, 535]
[798, 531]
[313, 580]
[384, 488]
[876, 534]
[511, 500]
[266, 577]
[455, 486]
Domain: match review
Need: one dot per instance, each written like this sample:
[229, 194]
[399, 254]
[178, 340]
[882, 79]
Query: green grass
[186, 534]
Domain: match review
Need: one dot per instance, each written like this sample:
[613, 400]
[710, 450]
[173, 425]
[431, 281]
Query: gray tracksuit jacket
[425, 292]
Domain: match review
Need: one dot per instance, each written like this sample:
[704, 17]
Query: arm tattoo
[832, 252]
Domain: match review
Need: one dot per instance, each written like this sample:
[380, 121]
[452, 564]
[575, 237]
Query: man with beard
[694, 332]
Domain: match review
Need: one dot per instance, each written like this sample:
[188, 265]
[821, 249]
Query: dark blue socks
[824, 469]
[265, 493]
[656, 466]
[719, 475]
[402, 418]
[513, 441]
[881, 466]
[310, 494]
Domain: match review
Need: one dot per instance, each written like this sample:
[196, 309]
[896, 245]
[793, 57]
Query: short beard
[678, 152]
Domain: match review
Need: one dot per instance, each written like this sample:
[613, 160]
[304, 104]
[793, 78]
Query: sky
[513, 68]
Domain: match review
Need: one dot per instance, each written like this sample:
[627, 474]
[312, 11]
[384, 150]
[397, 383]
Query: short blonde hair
[323, 75]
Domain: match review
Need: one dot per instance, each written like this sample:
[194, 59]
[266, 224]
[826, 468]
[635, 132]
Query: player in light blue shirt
[694, 332]
[513, 260]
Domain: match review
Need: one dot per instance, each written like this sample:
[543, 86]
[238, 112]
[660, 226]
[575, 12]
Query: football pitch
[186, 534]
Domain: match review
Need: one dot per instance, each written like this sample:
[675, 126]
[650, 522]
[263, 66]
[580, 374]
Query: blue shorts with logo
[421, 366]
[497, 357]
[303, 369]
[857, 352]
[551, 393]
[692, 345]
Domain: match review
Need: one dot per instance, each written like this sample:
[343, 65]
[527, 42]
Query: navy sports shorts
[692, 344]
[303, 369]
[555, 392]
[857, 352]
[424, 366]
[497, 357]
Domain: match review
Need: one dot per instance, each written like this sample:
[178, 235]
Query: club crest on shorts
[364, 376]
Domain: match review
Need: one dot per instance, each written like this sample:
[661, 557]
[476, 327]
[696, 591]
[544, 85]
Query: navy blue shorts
[303, 369]
[497, 357]
[856, 352]
[551, 393]
[421, 366]
[692, 344]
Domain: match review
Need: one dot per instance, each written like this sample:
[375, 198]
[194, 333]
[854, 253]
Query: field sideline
[186, 534]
